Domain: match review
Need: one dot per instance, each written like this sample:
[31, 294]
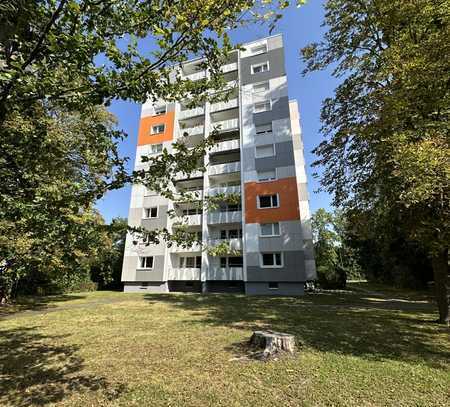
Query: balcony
[196, 247]
[225, 146]
[195, 76]
[186, 114]
[228, 273]
[189, 220]
[226, 125]
[235, 244]
[230, 104]
[235, 189]
[195, 174]
[226, 168]
[183, 274]
[192, 131]
[229, 67]
[217, 217]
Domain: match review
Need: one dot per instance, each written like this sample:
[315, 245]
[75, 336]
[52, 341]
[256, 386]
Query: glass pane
[276, 228]
[266, 229]
[274, 200]
[153, 212]
[265, 202]
[223, 262]
[190, 262]
[278, 259]
[233, 234]
[198, 261]
[267, 259]
[235, 261]
[223, 234]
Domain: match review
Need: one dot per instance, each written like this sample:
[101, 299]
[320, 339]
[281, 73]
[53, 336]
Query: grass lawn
[356, 348]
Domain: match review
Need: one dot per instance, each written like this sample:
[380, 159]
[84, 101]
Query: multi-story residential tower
[259, 155]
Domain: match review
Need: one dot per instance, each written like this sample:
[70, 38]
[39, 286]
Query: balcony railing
[196, 247]
[197, 111]
[216, 217]
[230, 104]
[177, 273]
[235, 189]
[228, 273]
[195, 174]
[190, 220]
[195, 76]
[224, 168]
[192, 131]
[233, 66]
[225, 146]
[234, 243]
[226, 125]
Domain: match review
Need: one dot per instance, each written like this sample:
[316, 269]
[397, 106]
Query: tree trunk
[272, 343]
[441, 285]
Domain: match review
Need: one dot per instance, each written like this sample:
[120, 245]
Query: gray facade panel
[284, 156]
[276, 66]
[138, 287]
[293, 269]
[280, 110]
[159, 222]
[156, 274]
[289, 289]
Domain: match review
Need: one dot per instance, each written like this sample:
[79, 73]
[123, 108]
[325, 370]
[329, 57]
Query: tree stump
[272, 343]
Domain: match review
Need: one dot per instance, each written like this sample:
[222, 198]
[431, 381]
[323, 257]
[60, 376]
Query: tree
[386, 147]
[335, 258]
[106, 267]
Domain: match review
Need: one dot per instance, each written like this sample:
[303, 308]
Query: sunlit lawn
[115, 349]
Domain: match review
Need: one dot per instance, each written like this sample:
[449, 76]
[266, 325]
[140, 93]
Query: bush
[331, 277]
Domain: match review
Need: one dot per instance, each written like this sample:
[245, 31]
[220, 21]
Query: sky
[299, 27]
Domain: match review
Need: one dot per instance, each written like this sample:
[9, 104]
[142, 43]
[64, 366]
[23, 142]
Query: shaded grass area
[355, 349]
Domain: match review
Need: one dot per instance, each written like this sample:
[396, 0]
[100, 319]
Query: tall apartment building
[259, 155]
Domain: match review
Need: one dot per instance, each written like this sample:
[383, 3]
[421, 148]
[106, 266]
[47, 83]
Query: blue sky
[299, 27]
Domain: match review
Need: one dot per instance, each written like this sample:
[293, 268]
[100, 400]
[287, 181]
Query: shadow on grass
[357, 328]
[36, 303]
[36, 371]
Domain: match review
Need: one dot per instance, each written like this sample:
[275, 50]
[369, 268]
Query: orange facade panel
[145, 129]
[288, 209]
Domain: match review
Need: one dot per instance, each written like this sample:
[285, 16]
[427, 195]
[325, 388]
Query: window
[267, 175]
[273, 286]
[223, 262]
[159, 128]
[258, 68]
[259, 49]
[270, 229]
[267, 201]
[231, 234]
[231, 261]
[271, 260]
[235, 261]
[265, 151]
[261, 87]
[191, 262]
[160, 110]
[192, 211]
[156, 148]
[146, 262]
[151, 212]
[264, 106]
[264, 129]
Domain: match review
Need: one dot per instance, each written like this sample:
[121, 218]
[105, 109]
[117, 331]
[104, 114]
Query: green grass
[356, 348]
